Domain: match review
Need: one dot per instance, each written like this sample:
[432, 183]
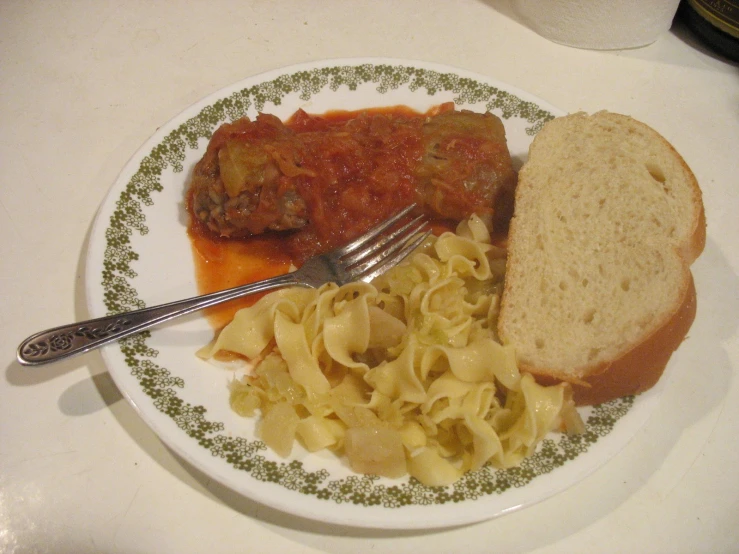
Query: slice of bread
[598, 291]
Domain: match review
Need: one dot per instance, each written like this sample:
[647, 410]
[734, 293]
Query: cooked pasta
[402, 376]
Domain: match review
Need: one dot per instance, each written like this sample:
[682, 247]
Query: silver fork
[363, 259]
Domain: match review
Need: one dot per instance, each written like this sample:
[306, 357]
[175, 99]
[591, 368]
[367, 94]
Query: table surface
[85, 83]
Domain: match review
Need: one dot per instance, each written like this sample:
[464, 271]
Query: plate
[140, 255]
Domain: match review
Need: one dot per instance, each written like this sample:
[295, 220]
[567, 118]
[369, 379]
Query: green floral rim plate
[140, 255]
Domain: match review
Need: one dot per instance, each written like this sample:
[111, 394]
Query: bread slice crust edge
[637, 370]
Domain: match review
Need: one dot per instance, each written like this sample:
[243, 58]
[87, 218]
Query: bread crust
[698, 242]
[640, 368]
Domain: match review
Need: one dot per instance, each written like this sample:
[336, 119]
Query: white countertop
[83, 84]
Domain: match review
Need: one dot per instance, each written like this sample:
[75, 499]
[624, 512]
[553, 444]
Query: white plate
[140, 255]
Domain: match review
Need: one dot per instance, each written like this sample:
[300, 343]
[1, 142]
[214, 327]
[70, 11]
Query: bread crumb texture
[606, 224]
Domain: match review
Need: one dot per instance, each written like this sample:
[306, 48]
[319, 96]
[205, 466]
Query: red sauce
[379, 186]
[373, 184]
[221, 264]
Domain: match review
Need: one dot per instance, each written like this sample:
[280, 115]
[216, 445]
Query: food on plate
[402, 376]
[467, 353]
[598, 292]
[323, 180]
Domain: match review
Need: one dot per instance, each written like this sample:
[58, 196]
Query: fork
[361, 260]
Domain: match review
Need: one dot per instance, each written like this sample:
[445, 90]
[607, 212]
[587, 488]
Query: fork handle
[66, 341]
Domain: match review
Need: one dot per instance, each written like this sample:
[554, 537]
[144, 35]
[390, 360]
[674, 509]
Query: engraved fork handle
[63, 342]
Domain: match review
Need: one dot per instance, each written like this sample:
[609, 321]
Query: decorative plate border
[162, 387]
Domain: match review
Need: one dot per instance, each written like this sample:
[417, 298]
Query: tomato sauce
[336, 217]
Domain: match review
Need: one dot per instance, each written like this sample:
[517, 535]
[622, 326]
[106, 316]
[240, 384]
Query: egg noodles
[404, 375]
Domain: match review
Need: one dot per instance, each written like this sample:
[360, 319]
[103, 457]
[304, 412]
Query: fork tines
[377, 251]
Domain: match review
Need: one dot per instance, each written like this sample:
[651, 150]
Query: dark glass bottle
[715, 22]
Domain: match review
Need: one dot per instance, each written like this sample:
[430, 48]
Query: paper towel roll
[598, 24]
